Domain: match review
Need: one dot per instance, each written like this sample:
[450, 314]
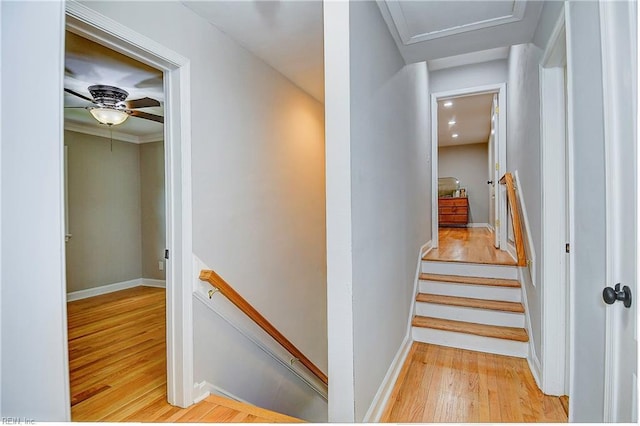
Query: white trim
[151, 282]
[501, 147]
[381, 398]
[532, 356]
[203, 389]
[478, 225]
[511, 249]
[571, 146]
[554, 207]
[88, 23]
[470, 342]
[530, 250]
[102, 132]
[103, 289]
[400, 22]
[426, 248]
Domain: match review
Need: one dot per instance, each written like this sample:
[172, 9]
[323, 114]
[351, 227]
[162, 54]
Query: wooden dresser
[453, 211]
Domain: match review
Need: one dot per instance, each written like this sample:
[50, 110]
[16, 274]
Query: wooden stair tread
[459, 279]
[503, 262]
[495, 331]
[494, 305]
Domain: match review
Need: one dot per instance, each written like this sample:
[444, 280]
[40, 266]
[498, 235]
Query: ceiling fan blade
[79, 95]
[141, 103]
[147, 116]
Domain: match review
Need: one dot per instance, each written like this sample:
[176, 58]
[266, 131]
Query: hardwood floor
[473, 245]
[442, 385]
[117, 365]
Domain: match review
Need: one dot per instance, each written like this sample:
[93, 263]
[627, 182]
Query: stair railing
[220, 285]
[516, 218]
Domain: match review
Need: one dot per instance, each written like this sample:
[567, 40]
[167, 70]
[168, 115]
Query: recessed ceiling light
[455, 135]
[447, 104]
[452, 122]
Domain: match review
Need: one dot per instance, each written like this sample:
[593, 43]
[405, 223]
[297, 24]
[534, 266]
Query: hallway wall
[34, 369]
[387, 202]
[523, 155]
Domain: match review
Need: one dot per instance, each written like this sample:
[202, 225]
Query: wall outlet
[161, 265]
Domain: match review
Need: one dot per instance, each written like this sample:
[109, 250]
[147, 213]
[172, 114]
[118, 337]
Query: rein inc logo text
[17, 421]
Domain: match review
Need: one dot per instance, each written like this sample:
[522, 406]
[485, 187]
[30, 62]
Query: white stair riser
[470, 342]
[470, 269]
[478, 316]
[485, 292]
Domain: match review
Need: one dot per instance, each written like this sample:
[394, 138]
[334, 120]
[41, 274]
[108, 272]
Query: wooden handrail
[507, 180]
[216, 281]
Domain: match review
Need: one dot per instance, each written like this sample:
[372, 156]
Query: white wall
[34, 348]
[469, 163]
[493, 72]
[387, 138]
[523, 155]
[258, 176]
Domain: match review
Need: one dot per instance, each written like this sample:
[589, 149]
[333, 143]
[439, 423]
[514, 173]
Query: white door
[602, 99]
[618, 22]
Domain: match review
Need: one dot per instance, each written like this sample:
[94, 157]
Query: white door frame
[94, 26]
[500, 147]
[618, 22]
[556, 208]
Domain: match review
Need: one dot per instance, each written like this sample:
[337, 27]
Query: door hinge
[497, 110]
[497, 223]
[497, 166]
[166, 254]
[567, 248]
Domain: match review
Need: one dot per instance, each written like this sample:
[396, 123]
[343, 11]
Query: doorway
[115, 218]
[177, 117]
[445, 126]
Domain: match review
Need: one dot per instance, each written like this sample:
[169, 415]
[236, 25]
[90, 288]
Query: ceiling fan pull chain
[111, 135]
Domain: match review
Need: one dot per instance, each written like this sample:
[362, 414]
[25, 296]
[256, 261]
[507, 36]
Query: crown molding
[106, 133]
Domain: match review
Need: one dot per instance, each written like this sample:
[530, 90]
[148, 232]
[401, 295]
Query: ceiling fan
[112, 108]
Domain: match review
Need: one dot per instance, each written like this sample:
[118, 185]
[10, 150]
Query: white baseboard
[110, 288]
[104, 289]
[532, 356]
[151, 282]
[478, 225]
[386, 387]
[426, 248]
[203, 389]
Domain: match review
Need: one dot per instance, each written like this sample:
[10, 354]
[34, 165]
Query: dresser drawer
[442, 202]
[453, 210]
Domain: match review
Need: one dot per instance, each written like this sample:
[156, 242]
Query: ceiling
[288, 35]
[88, 63]
[425, 30]
[472, 116]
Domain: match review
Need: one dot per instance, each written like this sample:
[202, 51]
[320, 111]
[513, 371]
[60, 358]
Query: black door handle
[610, 295]
[489, 182]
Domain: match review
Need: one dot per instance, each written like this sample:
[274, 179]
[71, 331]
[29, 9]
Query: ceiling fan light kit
[109, 116]
[113, 108]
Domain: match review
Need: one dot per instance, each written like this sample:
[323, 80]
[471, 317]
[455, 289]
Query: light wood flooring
[441, 385]
[117, 365]
[473, 245]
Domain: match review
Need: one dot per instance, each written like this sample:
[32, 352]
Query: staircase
[471, 306]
